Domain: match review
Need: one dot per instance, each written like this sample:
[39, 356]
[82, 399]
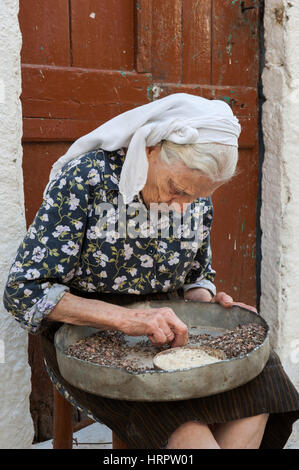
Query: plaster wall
[16, 428]
[280, 182]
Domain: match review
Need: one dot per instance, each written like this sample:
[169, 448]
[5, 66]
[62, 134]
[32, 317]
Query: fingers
[248, 307]
[223, 299]
[162, 335]
[227, 301]
[168, 328]
[161, 338]
[179, 329]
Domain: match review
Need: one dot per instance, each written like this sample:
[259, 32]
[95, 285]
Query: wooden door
[84, 62]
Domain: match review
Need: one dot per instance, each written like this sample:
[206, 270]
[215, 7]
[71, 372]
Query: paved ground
[95, 436]
[293, 442]
[98, 436]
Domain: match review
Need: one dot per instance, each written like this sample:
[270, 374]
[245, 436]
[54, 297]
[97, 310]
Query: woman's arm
[49, 254]
[161, 325]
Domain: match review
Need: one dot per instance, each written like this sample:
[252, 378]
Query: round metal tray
[159, 385]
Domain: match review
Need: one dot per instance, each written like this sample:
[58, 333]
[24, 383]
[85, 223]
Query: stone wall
[280, 183]
[16, 429]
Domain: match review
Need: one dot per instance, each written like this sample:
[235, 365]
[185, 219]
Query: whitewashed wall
[280, 184]
[16, 427]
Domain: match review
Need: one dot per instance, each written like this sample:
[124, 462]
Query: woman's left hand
[203, 295]
[226, 301]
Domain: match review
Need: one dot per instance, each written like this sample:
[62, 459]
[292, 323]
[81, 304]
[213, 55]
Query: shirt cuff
[41, 309]
[204, 284]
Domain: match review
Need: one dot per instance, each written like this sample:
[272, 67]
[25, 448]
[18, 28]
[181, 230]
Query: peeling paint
[243, 226]
[174, 38]
[123, 74]
[195, 55]
[156, 92]
[148, 91]
[194, 8]
[229, 44]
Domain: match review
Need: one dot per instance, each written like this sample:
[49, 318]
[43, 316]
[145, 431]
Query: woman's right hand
[161, 325]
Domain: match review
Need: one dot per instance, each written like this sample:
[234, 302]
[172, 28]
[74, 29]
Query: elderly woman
[69, 269]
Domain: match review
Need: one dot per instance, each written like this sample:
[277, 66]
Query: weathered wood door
[84, 62]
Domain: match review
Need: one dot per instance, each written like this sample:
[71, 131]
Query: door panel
[197, 37]
[167, 40]
[102, 34]
[45, 30]
[235, 42]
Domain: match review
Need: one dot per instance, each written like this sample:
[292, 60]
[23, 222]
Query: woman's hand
[203, 295]
[161, 325]
[226, 301]
[198, 293]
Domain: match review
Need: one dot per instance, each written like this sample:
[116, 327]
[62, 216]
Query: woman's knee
[192, 435]
[192, 425]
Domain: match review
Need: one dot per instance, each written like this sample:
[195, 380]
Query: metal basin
[159, 385]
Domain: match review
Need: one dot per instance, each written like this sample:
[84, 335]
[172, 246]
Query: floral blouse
[64, 249]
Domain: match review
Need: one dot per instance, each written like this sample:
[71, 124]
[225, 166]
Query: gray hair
[217, 161]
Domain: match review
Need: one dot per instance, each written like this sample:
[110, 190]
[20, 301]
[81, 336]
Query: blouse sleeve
[202, 274]
[47, 257]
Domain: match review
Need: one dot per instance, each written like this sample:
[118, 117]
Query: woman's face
[175, 185]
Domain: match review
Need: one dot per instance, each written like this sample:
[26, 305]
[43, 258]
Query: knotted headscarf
[180, 118]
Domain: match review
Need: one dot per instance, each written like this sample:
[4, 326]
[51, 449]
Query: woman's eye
[181, 193]
[177, 191]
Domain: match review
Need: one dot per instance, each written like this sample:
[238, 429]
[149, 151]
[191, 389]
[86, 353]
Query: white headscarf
[180, 118]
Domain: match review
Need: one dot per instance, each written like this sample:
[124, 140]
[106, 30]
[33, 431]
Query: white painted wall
[280, 184]
[16, 427]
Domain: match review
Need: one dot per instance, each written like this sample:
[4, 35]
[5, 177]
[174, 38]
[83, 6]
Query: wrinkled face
[175, 185]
